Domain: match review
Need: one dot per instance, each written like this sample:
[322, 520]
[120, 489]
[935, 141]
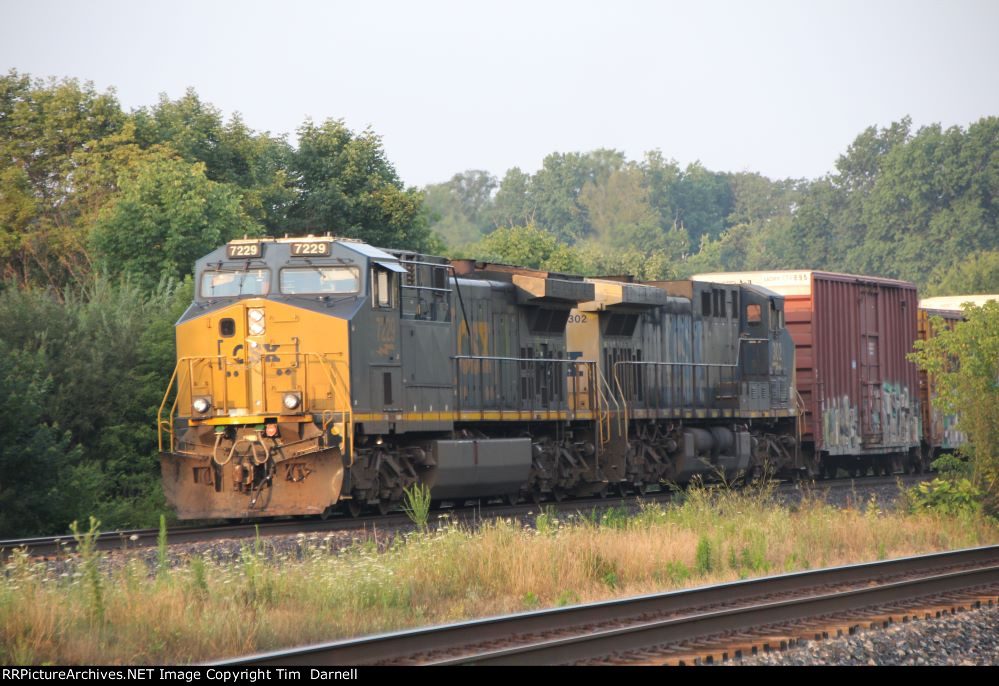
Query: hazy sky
[776, 87]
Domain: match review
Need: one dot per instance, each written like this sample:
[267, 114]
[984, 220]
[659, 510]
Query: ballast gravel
[964, 638]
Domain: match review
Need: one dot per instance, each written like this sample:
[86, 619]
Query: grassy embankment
[200, 610]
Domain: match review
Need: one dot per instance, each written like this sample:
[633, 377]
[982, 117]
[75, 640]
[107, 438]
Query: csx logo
[255, 353]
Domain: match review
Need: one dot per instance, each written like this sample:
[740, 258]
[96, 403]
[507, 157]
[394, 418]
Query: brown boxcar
[859, 391]
[940, 432]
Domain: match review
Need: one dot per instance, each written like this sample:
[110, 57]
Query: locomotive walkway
[694, 626]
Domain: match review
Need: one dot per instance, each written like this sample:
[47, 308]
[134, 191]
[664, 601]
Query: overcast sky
[776, 87]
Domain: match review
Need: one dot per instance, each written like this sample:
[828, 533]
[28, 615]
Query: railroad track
[706, 624]
[53, 546]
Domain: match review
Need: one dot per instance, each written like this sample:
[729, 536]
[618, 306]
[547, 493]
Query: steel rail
[689, 613]
[131, 539]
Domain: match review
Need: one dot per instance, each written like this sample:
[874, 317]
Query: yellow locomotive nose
[260, 397]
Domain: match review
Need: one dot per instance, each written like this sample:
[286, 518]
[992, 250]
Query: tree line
[912, 204]
[104, 211]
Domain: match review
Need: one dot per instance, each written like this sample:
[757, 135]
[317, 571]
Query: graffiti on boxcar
[840, 425]
[902, 416]
[946, 427]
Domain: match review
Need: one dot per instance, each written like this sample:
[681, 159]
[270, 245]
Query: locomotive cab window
[382, 284]
[776, 317]
[233, 283]
[754, 314]
[320, 280]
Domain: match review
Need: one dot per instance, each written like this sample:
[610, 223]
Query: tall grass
[201, 609]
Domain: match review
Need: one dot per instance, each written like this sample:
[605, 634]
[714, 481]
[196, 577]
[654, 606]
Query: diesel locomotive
[317, 373]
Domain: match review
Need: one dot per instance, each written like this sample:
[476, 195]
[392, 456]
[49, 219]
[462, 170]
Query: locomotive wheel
[511, 498]
[353, 507]
[558, 495]
[384, 507]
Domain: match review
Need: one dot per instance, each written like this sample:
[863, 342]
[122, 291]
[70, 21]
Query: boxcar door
[870, 367]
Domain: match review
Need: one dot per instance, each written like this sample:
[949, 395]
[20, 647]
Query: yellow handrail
[604, 410]
[190, 360]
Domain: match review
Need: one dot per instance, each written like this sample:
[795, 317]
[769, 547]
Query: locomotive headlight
[202, 405]
[256, 321]
[292, 400]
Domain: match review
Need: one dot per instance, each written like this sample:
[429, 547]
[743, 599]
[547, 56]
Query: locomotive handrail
[522, 359]
[605, 414]
[571, 403]
[734, 366]
[190, 360]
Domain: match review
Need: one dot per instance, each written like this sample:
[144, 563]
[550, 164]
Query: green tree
[703, 200]
[348, 187]
[231, 152]
[650, 265]
[661, 176]
[976, 273]
[527, 246]
[459, 209]
[553, 193]
[619, 211]
[511, 206]
[43, 124]
[965, 364]
[166, 215]
[32, 451]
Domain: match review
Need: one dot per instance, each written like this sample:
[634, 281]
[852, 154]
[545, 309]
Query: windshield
[235, 283]
[320, 280]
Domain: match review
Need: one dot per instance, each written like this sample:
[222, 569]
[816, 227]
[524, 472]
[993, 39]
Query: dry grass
[202, 610]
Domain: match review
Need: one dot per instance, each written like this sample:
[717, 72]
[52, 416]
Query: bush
[946, 496]
[83, 372]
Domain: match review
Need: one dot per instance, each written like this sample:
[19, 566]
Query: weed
[568, 597]
[546, 522]
[162, 561]
[199, 581]
[416, 505]
[674, 572]
[615, 518]
[86, 547]
[702, 555]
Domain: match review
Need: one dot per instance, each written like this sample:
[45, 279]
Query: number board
[309, 249]
[243, 250]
